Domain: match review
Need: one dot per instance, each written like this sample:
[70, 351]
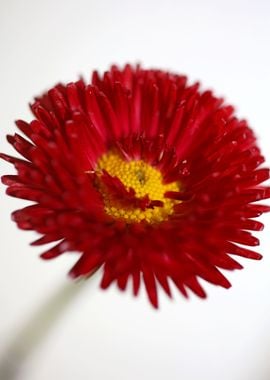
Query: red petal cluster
[155, 116]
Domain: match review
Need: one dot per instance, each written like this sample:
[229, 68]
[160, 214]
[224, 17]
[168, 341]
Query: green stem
[35, 330]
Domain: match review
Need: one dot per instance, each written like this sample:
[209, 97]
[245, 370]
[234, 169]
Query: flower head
[143, 175]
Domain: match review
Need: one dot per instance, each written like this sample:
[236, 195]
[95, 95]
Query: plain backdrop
[110, 335]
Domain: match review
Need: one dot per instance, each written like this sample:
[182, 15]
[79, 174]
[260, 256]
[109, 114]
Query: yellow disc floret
[145, 180]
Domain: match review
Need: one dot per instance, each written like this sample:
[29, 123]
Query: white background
[109, 335]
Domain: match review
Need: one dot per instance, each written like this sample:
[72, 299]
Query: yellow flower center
[148, 188]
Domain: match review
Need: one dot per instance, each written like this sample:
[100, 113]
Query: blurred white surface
[109, 335]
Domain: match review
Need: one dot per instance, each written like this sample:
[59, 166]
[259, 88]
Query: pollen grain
[145, 180]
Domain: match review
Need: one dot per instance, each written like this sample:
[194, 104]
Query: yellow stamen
[145, 180]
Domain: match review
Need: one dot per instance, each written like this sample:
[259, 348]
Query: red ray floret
[148, 116]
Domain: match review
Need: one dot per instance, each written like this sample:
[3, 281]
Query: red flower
[141, 174]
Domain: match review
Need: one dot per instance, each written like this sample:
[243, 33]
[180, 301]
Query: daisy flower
[144, 176]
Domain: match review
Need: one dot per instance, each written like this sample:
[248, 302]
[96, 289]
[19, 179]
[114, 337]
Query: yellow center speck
[145, 180]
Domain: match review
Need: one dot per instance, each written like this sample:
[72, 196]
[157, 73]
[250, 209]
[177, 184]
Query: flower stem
[35, 330]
